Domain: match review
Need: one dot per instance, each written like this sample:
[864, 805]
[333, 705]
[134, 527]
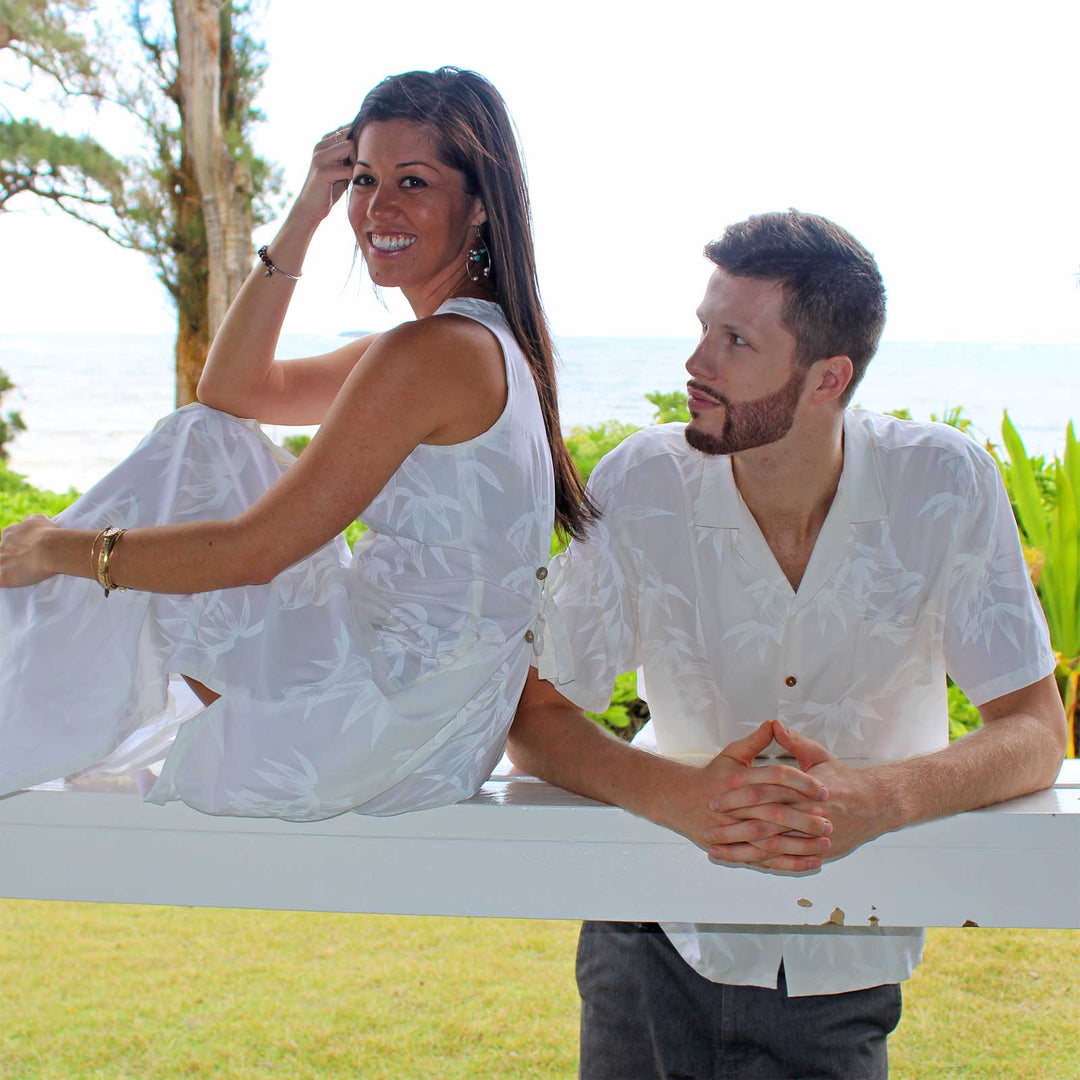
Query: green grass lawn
[114, 992]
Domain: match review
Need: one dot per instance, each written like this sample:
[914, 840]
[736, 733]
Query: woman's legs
[80, 675]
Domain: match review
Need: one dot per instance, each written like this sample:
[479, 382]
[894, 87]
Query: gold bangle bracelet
[94, 553]
[110, 536]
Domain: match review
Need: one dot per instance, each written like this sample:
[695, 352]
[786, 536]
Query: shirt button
[541, 573]
[790, 680]
[530, 637]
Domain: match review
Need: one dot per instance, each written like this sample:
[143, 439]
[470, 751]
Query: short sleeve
[589, 632]
[996, 640]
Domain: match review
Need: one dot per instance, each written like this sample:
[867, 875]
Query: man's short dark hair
[834, 298]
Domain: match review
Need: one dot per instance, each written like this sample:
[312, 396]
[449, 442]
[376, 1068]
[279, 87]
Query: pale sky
[943, 135]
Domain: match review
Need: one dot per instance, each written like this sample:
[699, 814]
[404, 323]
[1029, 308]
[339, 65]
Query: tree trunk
[190, 292]
[191, 349]
[224, 183]
[187, 284]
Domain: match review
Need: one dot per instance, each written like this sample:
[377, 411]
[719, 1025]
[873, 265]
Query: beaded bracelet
[271, 269]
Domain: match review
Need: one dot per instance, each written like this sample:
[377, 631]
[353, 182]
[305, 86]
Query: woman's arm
[439, 380]
[241, 376]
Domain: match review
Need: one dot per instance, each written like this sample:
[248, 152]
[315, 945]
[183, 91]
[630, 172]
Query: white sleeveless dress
[382, 681]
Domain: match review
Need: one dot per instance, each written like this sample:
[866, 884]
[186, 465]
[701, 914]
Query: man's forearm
[1013, 754]
[557, 743]
[1017, 751]
[552, 739]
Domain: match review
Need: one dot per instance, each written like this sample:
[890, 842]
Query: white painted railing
[522, 848]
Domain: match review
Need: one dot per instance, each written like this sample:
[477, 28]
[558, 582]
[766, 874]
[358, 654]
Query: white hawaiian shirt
[917, 571]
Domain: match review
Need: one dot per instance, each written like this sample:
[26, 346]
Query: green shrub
[19, 500]
[12, 423]
[627, 714]
[1050, 525]
[354, 532]
[963, 716]
[295, 444]
[670, 406]
[588, 444]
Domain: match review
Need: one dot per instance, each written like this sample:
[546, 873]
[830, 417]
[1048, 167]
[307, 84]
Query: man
[784, 569]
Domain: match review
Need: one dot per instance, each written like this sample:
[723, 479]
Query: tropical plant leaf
[670, 406]
[1025, 490]
[1064, 555]
[1072, 459]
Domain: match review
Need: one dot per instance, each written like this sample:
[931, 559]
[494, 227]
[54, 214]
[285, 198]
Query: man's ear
[833, 376]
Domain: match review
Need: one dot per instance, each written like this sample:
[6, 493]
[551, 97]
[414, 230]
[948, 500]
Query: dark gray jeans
[646, 1013]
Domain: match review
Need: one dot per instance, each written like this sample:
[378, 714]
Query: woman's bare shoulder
[458, 344]
[443, 330]
[451, 366]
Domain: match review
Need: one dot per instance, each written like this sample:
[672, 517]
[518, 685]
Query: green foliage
[1053, 531]
[670, 406]
[1045, 498]
[963, 716]
[244, 69]
[354, 531]
[953, 416]
[1050, 525]
[18, 499]
[295, 444]
[151, 201]
[46, 36]
[12, 423]
[627, 713]
[37, 159]
[43, 34]
[587, 445]
[1041, 470]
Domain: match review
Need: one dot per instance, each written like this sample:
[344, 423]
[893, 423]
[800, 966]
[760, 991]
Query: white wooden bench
[524, 849]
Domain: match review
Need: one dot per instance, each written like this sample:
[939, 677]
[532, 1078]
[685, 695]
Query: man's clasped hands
[778, 817]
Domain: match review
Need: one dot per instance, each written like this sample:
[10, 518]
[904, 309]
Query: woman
[383, 685]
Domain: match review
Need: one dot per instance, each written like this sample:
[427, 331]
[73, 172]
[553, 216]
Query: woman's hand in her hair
[22, 552]
[328, 177]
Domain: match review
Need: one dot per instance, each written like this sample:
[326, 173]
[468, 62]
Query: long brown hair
[474, 135]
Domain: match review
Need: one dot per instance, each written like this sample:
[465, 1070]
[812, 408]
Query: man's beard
[750, 423]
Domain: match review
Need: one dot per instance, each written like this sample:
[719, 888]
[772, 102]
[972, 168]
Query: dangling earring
[478, 260]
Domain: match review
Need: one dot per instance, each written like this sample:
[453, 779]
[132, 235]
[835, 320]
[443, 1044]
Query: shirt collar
[858, 497]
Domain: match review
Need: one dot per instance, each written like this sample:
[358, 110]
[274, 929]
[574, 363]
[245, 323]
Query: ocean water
[87, 400]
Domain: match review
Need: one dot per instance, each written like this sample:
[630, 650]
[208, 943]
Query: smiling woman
[412, 216]
[382, 680]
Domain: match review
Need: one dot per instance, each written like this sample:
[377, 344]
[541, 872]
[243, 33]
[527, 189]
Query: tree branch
[40, 34]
